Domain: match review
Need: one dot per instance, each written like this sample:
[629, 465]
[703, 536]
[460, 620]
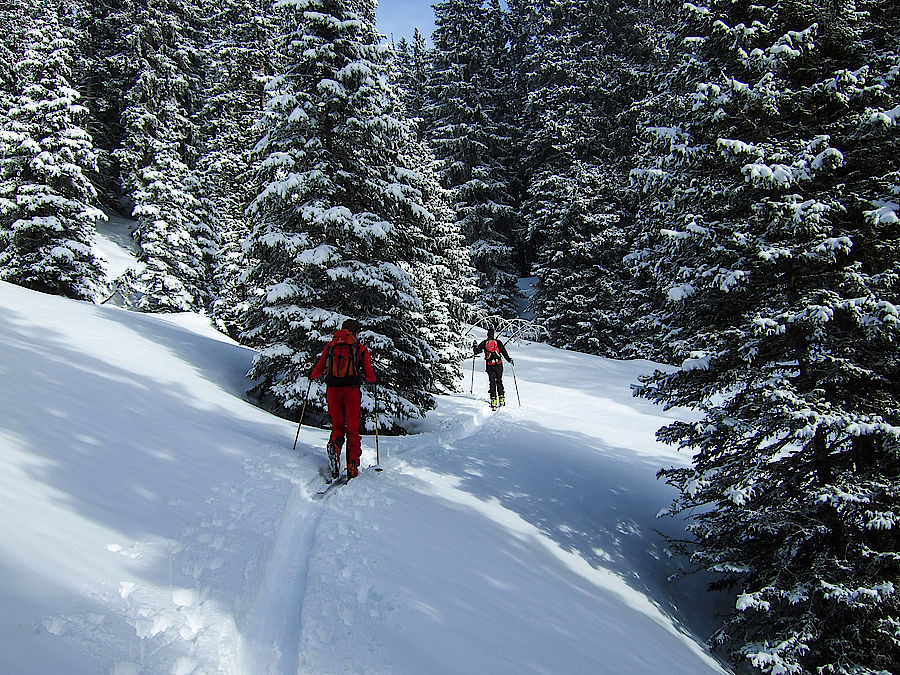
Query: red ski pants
[343, 407]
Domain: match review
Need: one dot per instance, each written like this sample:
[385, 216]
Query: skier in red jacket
[344, 362]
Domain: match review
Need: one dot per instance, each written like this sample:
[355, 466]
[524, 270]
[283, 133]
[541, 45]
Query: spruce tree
[773, 190]
[464, 125]
[582, 70]
[238, 61]
[14, 17]
[651, 335]
[579, 264]
[158, 158]
[411, 64]
[108, 72]
[337, 218]
[10, 21]
[47, 200]
[442, 271]
[443, 274]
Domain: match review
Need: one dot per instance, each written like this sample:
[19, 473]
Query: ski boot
[502, 400]
[493, 404]
[352, 470]
[334, 455]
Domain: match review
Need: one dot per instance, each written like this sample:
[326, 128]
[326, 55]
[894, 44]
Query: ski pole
[511, 365]
[377, 453]
[302, 413]
[472, 386]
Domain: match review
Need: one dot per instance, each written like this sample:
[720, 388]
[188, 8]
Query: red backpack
[492, 353]
[342, 360]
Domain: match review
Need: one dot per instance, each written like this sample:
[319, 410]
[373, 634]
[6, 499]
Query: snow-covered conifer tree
[465, 126]
[442, 271]
[108, 74]
[13, 19]
[47, 200]
[158, 159]
[773, 180]
[8, 89]
[581, 78]
[337, 217]
[580, 291]
[410, 69]
[238, 47]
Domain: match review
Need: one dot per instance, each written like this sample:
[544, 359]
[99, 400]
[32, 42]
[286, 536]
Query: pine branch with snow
[772, 252]
[48, 206]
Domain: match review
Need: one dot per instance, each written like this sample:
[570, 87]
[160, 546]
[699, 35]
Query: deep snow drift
[152, 521]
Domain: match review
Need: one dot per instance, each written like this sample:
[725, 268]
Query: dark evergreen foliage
[238, 63]
[443, 273]
[105, 68]
[581, 79]
[158, 158]
[580, 294]
[772, 185]
[465, 127]
[410, 68]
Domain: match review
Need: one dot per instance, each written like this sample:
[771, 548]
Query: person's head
[490, 333]
[351, 325]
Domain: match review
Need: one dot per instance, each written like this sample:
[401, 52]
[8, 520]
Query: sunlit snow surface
[153, 521]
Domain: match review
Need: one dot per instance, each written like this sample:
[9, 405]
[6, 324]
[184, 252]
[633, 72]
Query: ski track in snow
[271, 632]
[310, 572]
[345, 569]
[292, 619]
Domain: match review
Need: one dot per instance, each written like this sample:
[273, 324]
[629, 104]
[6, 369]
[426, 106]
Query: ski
[329, 486]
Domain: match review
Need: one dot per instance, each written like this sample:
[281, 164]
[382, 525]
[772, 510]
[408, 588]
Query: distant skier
[344, 362]
[494, 353]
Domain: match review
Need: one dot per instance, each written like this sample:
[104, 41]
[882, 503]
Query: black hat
[490, 333]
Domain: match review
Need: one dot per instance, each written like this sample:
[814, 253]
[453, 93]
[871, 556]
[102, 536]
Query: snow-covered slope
[152, 521]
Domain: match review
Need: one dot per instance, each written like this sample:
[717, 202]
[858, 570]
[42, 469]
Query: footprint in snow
[129, 551]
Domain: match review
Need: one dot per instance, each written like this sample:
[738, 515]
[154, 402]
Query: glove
[511, 362]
